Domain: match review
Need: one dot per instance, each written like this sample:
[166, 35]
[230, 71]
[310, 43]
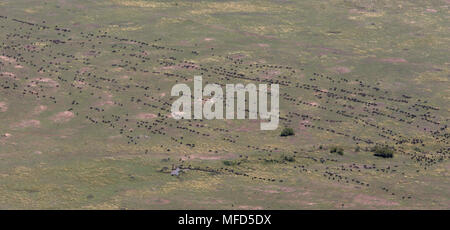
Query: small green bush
[288, 158]
[229, 163]
[383, 151]
[337, 150]
[287, 132]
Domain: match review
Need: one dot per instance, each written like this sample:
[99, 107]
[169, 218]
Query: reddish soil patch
[79, 84]
[271, 191]
[184, 43]
[276, 189]
[327, 50]
[106, 102]
[303, 123]
[63, 117]
[238, 56]
[46, 81]
[249, 207]
[271, 74]
[39, 109]
[91, 26]
[212, 157]
[146, 116]
[371, 200]
[287, 189]
[27, 124]
[85, 69]
[3, 106]
[7, 59]
[393, 60]
[157, 201]
[341, 69]
[8, 75]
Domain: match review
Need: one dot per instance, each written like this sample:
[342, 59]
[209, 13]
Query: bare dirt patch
[340, 69]
[85, 69]
[250, 207]
[39, 109]
[7, 59]
[393, 60]
[63, 117]
[44, 81]
[79, 84]
[27, 124]
[107, 100]
[8, 75]
[238, 56]
[3, 106]
[271, 74]
[157, 201]
[211, 156]
[371, 200]
[146, 116]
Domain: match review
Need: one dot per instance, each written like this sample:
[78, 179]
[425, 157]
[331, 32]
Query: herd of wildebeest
[105, 78]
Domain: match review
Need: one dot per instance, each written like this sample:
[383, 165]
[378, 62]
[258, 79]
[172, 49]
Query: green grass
[346, 69]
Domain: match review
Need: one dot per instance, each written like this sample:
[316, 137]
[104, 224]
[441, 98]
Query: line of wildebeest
[50, 52]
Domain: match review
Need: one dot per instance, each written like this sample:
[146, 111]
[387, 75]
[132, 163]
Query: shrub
[271, 161]
[229, 163]
[288, 158]
[287, 132]
[383, 151]
[337, 150]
